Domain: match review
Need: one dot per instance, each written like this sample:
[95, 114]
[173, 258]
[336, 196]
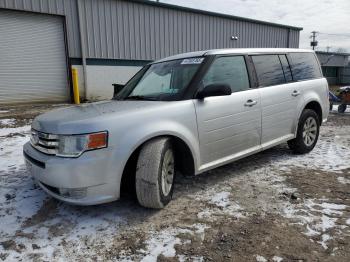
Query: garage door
[32, 58]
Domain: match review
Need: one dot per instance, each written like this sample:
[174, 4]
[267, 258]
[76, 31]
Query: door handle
[250, 103]
[295, 93]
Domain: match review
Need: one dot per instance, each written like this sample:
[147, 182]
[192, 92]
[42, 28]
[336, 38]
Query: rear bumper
[87, 180]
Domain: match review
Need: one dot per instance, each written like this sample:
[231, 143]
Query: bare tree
[341, 50]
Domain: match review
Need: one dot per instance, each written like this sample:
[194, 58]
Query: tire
[341, 108]
[156, 161]
[307, 133]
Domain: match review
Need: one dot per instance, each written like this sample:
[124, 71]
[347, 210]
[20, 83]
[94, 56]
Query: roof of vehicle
[235, 51]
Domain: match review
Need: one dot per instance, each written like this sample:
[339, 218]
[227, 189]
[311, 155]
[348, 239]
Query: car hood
[89, 117]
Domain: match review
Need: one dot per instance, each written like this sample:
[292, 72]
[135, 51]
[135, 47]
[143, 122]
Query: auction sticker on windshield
[192, 61]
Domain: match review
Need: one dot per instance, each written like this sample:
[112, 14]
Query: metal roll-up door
[33, 64]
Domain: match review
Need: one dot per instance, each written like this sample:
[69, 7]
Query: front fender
[135, 137]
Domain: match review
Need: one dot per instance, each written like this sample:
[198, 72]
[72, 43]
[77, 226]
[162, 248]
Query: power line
[331, 34]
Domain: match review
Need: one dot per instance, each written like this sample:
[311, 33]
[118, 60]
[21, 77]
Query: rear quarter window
[304, 66]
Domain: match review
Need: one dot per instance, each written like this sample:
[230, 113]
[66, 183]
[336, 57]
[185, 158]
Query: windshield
[165, 81]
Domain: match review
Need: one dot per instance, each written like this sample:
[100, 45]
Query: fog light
[73, 192]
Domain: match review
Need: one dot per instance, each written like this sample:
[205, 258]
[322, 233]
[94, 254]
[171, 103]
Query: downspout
[82, 46]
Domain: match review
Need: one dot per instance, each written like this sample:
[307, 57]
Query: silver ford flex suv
[187, 113]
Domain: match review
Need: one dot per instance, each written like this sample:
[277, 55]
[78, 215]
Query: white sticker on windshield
[191, 61]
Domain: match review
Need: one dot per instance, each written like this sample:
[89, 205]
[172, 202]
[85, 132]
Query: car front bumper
[87, 180]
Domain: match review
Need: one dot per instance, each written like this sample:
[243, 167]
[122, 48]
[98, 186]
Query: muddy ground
[273, 206]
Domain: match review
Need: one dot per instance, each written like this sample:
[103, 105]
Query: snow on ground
[335, 109]
[221, 199]
[318, 216]
[8, 122]
[343, 180]
[277, 259]
[10, 159]
[221, 204]
[332, 149]
[260, 259]
[51, 229]
[12, 140]
[163, 243]
[14, 130]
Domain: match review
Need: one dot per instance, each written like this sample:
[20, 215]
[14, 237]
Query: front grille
[45, 143]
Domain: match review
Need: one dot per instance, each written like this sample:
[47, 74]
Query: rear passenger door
[279, 97]
[228, 126]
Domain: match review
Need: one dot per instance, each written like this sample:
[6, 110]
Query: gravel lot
[273, 206]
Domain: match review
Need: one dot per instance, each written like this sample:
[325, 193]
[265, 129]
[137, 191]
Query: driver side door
[229, 127]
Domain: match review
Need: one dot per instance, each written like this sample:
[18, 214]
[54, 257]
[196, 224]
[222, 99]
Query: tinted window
[286, 68]
[269, 70]
[304, 66]
[230, 70]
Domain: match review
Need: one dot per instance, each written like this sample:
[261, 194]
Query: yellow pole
[75, 86]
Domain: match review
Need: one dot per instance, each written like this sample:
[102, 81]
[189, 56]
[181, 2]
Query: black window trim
[284, 73]
[290, 69]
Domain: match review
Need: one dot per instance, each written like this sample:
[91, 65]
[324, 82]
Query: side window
[230, 70]
[269, 70]
[286, 68]
[304, 66]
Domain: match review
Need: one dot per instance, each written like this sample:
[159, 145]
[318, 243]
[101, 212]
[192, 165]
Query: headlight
[75, 145]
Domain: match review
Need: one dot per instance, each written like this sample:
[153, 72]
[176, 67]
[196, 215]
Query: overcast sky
[325, 16]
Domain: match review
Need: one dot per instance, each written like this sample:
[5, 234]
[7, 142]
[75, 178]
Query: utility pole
[313, 42]
[328, 48]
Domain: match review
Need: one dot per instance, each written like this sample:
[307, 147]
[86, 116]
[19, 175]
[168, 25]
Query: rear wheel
[307, 133]
[341, 108]
[155, 173]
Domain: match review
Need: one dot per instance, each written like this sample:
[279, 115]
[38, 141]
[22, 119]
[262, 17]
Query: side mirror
[117, 88]
[214, 90]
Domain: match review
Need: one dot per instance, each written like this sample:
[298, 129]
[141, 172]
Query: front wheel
[155, 173]
[307, 133]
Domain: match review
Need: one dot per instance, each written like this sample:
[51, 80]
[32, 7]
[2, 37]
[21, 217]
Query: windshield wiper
[139, 98]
